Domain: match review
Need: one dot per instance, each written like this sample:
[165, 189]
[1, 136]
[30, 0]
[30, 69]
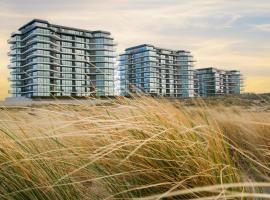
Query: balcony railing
[11, 40]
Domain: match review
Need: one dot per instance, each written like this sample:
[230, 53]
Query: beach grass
[134, 148]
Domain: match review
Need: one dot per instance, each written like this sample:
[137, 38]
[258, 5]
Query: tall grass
[139, 148]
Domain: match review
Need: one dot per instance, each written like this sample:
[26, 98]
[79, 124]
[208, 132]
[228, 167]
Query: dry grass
[138, 148]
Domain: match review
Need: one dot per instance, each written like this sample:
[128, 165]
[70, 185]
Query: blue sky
[221, 33]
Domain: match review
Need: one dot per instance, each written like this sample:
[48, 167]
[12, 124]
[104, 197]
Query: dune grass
[140, 148]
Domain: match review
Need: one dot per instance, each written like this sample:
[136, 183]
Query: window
[79, 57]
[66, 56]
[66, 37]
[79, 39]
[67, 44]
[42, 38]
[88, 34]
[41, 59]
[67, 63]
[42, 31]
[77, 51]
[39, 24]
[66, 69]
[66, 50]
[79, 45]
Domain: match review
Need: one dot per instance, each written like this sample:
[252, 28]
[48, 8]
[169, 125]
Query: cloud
[262, 27]
[218, 32]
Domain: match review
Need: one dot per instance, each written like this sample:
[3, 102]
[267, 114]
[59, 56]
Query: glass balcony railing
[11, 40]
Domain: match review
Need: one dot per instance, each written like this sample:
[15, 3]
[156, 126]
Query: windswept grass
[138, 148]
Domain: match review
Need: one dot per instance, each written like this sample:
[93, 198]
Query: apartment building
[212, 81]
[51, 60]
[156, 71]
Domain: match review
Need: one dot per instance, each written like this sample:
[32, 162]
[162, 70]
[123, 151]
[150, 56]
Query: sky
[228, 34]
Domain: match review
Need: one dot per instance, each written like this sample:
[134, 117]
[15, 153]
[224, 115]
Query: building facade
[51, 60]
[156, 71]
[213, 82]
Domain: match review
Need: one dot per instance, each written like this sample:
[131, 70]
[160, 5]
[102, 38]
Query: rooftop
[150, 45]
[60, 26]
[214, 68]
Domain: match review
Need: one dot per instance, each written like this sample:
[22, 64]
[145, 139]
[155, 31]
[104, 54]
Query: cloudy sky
[230, 34]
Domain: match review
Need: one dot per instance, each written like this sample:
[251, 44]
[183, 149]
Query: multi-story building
[156, 71]
[213, 81]
[52, 60]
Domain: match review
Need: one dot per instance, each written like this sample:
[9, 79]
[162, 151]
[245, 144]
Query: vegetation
[140, 148]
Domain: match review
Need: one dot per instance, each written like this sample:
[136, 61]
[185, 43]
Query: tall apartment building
[156, 71]
[213, 81]
[52, 60]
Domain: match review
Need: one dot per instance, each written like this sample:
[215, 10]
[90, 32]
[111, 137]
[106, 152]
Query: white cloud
[209, 28]
[261, 27]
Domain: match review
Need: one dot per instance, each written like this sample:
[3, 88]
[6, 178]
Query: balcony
[55, 62]
[56, 49]
[12, 53]
[55, 35]
[11, 66]
[15, 85]
[11, 40]
[54, 75]
[14, 47]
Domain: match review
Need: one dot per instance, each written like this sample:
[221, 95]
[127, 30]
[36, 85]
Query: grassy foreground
[138, 148]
